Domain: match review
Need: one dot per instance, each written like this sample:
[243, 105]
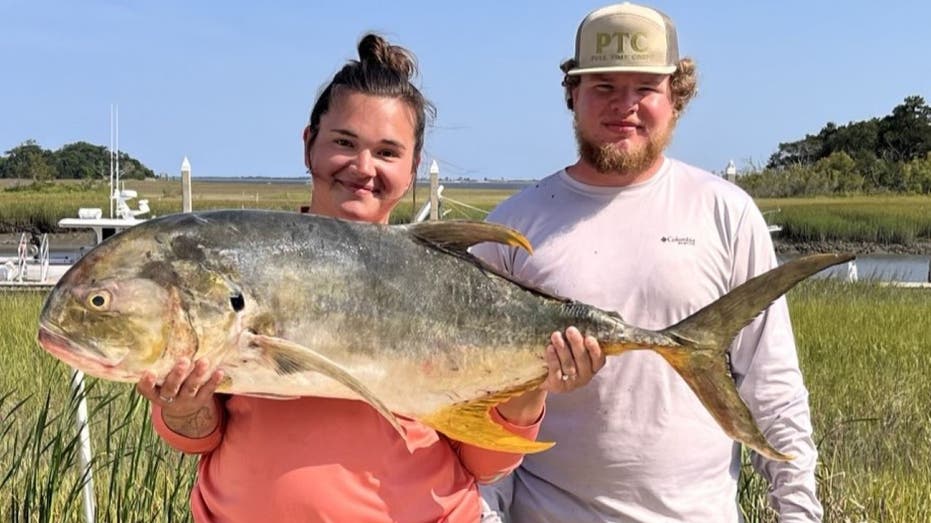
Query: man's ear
[570, 97]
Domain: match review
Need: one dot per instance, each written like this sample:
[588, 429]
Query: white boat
[92, 218]
[33, 267]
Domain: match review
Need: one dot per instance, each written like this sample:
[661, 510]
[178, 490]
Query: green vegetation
[882, 220]
[863, 350]
[136, 478]
[880, 155]
[39, 207]
[862, 347]
[79, 160]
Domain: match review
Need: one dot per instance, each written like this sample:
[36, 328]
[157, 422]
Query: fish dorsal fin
[456, 236]
[459, 235]
[471, 423]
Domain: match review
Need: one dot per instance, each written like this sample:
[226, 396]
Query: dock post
[434, 191]
[185, 185]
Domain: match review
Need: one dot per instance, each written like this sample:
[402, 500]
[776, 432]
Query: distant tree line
[79, 160]
[888, 154]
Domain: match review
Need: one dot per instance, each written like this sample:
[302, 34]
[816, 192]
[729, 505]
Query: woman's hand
[185, 397]
[572, 361]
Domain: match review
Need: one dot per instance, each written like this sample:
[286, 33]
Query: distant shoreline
[922, 248]
[459, 184]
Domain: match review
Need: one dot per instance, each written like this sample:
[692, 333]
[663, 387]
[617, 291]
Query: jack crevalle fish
[401, 317]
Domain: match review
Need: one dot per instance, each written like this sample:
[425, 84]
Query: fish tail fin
[471, 423]
[700, 352]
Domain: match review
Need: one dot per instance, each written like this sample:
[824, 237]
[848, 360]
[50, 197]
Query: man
[627, 229]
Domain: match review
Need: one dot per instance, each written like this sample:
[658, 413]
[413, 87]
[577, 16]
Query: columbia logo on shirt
[678, 240]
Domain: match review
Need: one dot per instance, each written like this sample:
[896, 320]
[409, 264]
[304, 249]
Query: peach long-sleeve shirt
[330, 460]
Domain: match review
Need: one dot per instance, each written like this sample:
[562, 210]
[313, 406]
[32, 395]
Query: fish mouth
[77, 357]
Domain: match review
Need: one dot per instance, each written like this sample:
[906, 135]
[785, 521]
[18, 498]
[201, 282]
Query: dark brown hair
[381, 70]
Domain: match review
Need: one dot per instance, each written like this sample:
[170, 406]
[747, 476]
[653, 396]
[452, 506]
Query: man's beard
[609, 159]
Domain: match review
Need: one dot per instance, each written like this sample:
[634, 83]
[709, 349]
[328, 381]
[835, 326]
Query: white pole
[117, 149]
[43, 258]
[84, 441]
[425, 210]
[185, 185]
[110, 195]
[434, 192]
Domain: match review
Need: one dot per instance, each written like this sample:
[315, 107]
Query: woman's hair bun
[374, 49]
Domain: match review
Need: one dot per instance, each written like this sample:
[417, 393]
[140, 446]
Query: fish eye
[99, 300]
[237, 302]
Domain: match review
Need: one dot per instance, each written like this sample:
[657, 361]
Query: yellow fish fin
[225, 385]
[471, 423]
[289, 357]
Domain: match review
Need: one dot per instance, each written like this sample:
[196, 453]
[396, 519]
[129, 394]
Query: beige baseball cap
[626, 38]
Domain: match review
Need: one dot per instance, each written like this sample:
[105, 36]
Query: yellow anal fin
[226, 385]
[471, 423]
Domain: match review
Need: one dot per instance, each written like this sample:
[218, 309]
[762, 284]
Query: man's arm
[765, 364]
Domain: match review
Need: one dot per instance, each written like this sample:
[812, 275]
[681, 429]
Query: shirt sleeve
[185, 444]
[765, 365]
[489, 466]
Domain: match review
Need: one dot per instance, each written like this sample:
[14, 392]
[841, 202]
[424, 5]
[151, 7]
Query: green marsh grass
[885, 220]
[863, 349]
[135, 477]
[22, 209]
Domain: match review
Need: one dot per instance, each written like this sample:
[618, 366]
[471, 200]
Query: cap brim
[656, 69]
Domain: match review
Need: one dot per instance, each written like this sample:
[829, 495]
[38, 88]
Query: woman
[319, 459]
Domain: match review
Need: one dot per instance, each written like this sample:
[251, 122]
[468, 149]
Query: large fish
[399, 316]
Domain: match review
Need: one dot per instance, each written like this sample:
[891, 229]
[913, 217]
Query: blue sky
[230, 84]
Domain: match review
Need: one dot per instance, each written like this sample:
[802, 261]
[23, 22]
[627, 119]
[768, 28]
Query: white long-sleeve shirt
[636, 444]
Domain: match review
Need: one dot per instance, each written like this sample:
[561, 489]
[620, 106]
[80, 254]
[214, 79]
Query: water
[884, 267]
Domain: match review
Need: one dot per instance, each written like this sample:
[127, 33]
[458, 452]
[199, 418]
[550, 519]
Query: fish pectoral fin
[471, 423]
[459, 235]
[289, 357]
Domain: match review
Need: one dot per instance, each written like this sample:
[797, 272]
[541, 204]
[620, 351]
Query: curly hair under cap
[683, 83]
